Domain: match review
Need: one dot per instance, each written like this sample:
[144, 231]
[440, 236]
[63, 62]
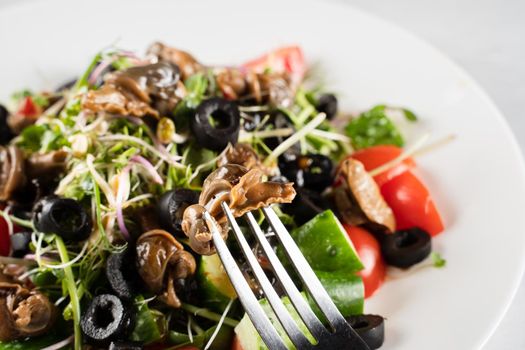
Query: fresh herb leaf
[411, 116]
[42, 138]
[373, 128]
[221, 341]
[148, 324]
[437, 260]
[31, 343]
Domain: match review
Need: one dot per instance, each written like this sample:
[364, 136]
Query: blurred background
[485, 37]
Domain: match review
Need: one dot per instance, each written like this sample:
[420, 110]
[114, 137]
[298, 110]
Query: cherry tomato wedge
[289, 59]
[5, 240]
[28, 108]
[236, 345]
[412, 204]
[369, 252]
[375, 156]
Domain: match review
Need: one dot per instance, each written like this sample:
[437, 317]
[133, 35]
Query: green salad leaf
[32, 343]
[148, 324]
[373, 128]
[437, 260]
[221, 341]
[43, 138]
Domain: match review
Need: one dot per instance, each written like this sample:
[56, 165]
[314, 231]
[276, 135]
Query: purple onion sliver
[120, 215]
[149, 167]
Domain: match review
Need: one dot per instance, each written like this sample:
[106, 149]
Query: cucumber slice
[216, 289]
[346, 290]
[248, 337]
[326, 246]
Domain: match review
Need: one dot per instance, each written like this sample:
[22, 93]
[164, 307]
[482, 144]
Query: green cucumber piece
[250, 339]
[216, 289]
[326, 246]
[346, 290]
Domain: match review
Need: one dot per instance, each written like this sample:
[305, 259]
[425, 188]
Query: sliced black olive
[5, 132]
[171, 208]
[405, 248]
[371, 328]
[216, 123]
[281, 121]
[122, 275]
[327, 103]
[312, 171]
[107, 319]
[62, 216]
[126, 345]
[20, 244]
[305, 205]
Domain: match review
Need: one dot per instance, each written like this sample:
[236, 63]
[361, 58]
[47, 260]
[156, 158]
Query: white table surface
[486, 38]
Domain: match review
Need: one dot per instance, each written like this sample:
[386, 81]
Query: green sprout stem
[72, 290]
[210, 315]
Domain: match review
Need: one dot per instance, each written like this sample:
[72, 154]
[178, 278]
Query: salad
[104, 182]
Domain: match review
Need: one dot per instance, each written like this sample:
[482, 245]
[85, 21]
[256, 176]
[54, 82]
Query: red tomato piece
[28, 108]
[5, 240]
[375, 156]
[289, 59]
[412, 204]
[236, 345]
[369, 252]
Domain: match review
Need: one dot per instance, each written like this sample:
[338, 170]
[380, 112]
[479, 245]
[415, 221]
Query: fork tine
[252, 307]
[312, 283]
[310, 320]
[289, 325]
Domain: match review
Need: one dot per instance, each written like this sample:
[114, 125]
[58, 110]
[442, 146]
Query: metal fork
[340, 336]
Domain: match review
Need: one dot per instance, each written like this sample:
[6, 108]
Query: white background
[486, 37]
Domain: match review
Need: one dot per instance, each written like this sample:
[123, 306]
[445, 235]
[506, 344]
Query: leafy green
[373, 128]
[411, 116]
[196, 87]
[221, 341]
[148, 324]
[31, 343]
[42, 138]
[437, 260]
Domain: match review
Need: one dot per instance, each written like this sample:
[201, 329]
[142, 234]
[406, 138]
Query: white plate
[477, 181]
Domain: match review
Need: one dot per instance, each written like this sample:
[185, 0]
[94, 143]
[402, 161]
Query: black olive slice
[171, 206]
[371, 328]
[5, 132]
[305, 205]
[312, 171]
[107, 319]
[20, 244]
[327, 103]
[216, 123]
[405, 248]
[62, 216]
[122, 275]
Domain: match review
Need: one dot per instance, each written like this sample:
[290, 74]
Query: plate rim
[517, 153]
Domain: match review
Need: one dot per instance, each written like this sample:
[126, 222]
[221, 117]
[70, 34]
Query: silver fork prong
[260, 321]
[311, 282]
[303, 308]
[286, 320]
